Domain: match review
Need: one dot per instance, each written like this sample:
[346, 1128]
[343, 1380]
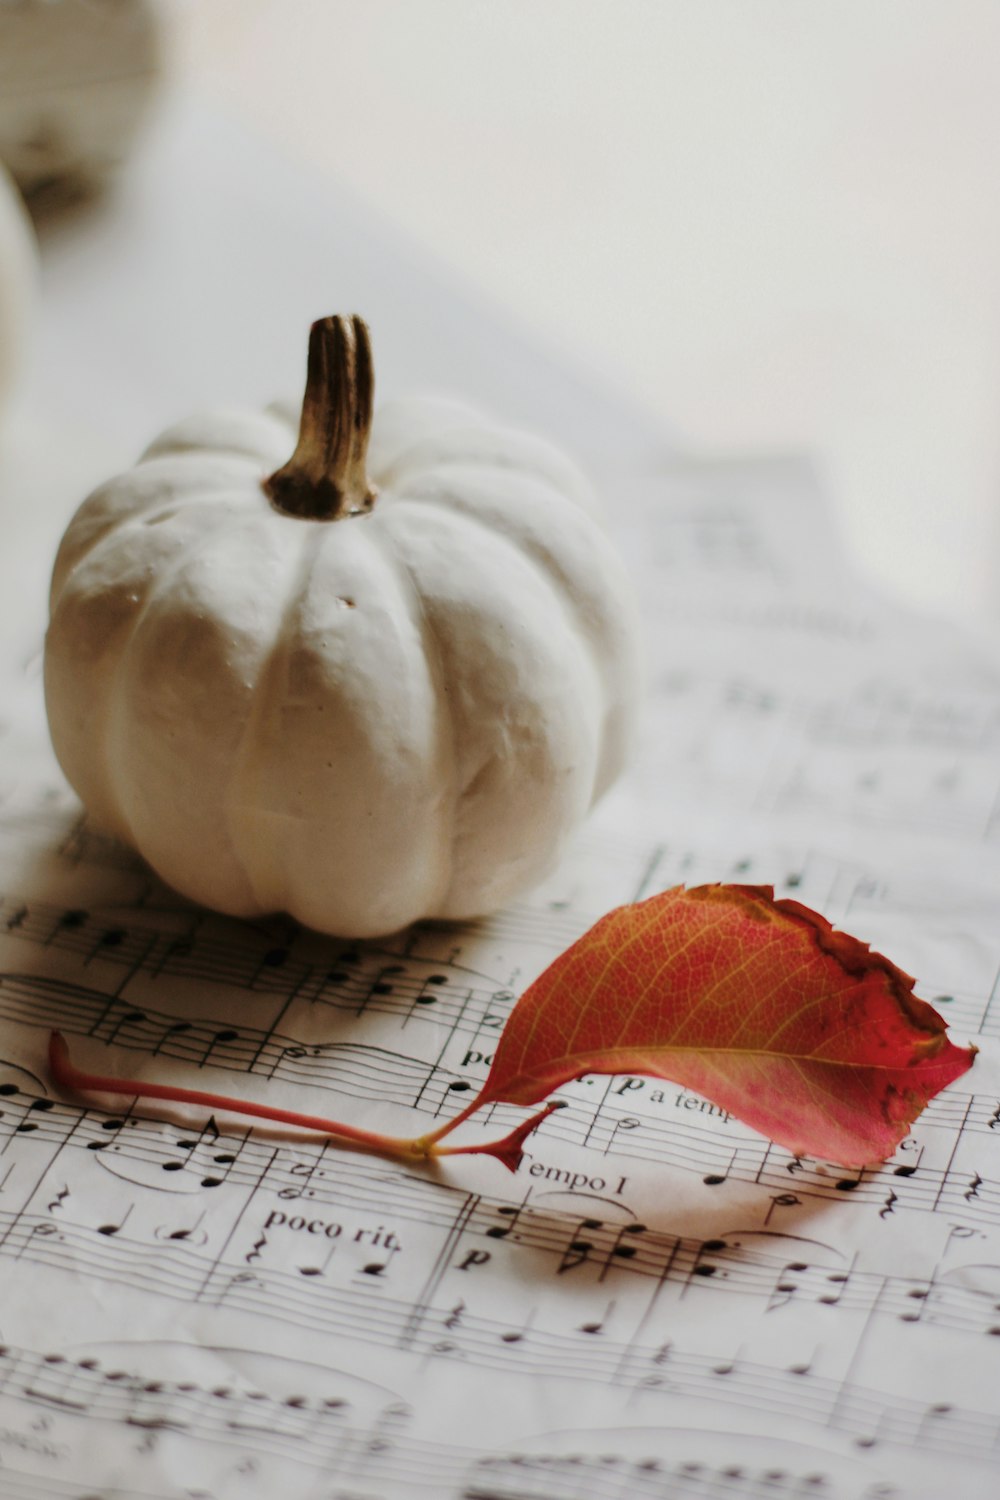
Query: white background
[772, 222]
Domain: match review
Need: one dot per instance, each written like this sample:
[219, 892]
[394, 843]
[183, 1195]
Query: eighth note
[715, 1179]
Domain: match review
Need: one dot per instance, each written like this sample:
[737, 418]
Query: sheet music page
[659, 1305]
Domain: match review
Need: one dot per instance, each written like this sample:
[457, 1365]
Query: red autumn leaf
[759, 1005]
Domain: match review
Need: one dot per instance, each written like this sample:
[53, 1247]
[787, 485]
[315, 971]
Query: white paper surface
[659, 1304]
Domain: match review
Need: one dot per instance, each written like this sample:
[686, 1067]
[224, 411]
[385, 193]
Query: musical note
[626, 1123]
[203, 1154]
[917, 1302]
[577, 1253]
[593, 1327]
[786, 1287]
[508, 1226]
[128, 1025]
[303, 1174]
[716, 1179]
[52, 1383]
[839, 1281]
[113, 1228]
[188, 1232]
[625, 1247]
[371, 1269]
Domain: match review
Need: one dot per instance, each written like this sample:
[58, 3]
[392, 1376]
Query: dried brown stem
[326, 477]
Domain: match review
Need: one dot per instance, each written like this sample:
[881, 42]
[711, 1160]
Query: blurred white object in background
[18, 277]
[773, 224]
[75, 79]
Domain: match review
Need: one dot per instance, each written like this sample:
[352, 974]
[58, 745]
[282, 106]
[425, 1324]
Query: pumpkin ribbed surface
[397, 715]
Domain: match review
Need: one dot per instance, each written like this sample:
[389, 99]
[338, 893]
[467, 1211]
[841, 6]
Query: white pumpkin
[290, 695]
[18, 271]
[75, 79]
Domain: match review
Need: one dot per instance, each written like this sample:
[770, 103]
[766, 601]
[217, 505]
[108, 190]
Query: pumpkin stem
[325, 479]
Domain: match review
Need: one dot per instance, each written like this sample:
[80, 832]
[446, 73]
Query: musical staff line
[166, 1159]
[322, 1432]
[366, 1072]
[349, 979]
[178, 1274]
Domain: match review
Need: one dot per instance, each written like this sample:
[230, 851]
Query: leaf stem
[419, 1148]
[68, 1076]
[430, 1140]
[510, 1149]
